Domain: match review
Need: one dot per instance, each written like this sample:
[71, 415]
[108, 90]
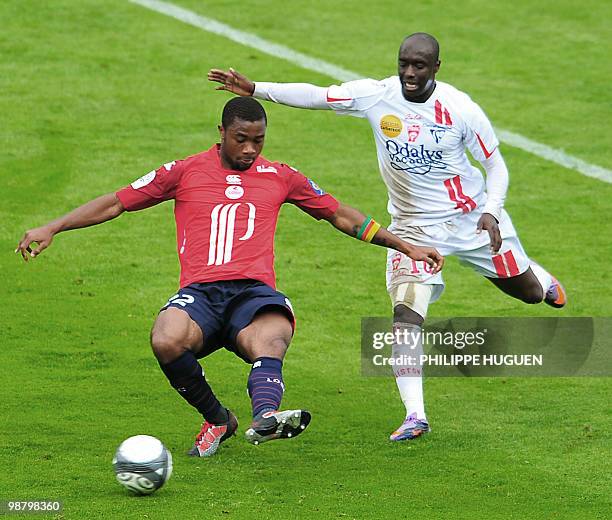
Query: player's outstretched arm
[93, 212]
[354, 223]
[299, 95]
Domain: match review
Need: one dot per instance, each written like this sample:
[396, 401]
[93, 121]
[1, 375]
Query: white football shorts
[456, 237]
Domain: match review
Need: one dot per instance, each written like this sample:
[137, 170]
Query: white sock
[409, 379]
[543, 277]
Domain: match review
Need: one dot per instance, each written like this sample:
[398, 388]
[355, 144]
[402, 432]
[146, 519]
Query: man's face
[241, 143]
[417, 66]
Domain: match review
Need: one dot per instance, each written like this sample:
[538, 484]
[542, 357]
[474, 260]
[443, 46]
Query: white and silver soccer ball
[142, 464]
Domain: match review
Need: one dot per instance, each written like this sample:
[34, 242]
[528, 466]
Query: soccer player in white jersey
[422, 128]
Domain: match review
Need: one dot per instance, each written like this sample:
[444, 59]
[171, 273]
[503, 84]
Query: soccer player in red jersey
[227, 201]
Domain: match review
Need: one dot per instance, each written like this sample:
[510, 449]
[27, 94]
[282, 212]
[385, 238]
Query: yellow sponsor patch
[390, 125]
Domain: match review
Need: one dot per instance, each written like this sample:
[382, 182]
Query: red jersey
[226, 219]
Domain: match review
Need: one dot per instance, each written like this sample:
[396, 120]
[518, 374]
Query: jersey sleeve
[306, 195]
[299, 95]
[480, 138]
[355, 98]
[151, 189]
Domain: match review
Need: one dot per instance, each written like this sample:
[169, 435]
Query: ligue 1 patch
[413, 132]
[144, 180]
[391, 125]
[316, 188]
[234, 192]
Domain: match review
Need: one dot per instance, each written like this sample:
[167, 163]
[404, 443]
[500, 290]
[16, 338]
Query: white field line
[338, 73]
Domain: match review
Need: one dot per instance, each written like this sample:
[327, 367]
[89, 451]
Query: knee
[403, 314]
[276, 348]
[166, 347]
[532, 294]
[273, 347]
[410, 302]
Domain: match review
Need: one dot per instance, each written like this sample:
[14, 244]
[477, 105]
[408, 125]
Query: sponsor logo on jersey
[437, 133]
[233, 179]
[144, 180]
[413, 132]
[234, 192]
[315, 187]
[413, 159]
[266, 169]
[391, 125]
[222, 229]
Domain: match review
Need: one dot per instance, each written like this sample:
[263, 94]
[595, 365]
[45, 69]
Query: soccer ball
[142, 464]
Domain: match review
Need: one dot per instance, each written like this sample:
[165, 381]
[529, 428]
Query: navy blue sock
[186, 376]
[265, 384]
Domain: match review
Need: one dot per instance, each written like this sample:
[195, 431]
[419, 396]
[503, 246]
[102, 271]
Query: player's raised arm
[299, 95]
[354, 223]
[95, 211]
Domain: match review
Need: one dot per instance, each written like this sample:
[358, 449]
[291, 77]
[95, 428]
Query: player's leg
[410, 302]
[264, 342]
[177, 340]
[533, 286]
[411, 288]
[260, 329]
[513, 272]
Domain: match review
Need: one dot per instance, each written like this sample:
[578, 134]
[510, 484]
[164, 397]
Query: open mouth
[411, 87]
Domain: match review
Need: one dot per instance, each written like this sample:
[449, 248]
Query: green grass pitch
[95, 93]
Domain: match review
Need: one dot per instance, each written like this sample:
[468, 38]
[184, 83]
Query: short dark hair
[245, 108]
[433, 43]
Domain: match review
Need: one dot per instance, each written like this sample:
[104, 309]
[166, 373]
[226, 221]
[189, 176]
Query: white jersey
[421, 146]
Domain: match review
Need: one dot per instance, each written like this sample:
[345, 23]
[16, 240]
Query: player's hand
[426, 254]
[232, 81]
[42, 237]
[489, 224]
